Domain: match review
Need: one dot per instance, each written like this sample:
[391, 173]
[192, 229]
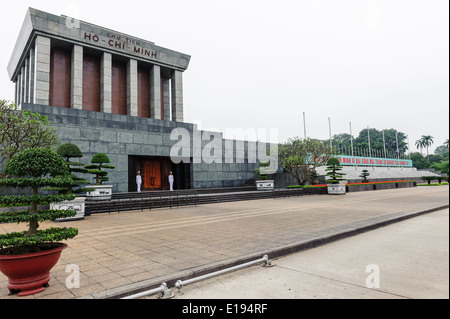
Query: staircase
[151, 200]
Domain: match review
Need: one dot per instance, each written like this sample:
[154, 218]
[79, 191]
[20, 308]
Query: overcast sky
[261, 64]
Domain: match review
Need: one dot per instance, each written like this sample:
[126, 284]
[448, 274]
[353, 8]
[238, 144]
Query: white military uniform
[138, 182]
[171, 179]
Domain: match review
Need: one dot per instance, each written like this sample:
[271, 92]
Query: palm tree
[420, 145]
[446, 143]
[427, 141]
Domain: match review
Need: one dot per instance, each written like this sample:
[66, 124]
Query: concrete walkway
[392, 262]
[121, 254]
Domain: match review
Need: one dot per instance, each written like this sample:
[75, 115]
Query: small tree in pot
[335, 176]
[262, 176]
[27, 257]
[364, 175]
[99, 162]
[69, 151]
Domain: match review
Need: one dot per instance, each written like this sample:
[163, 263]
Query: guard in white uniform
[138, 181]
[171, 179]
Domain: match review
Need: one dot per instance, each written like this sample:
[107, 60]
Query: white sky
[261, 64]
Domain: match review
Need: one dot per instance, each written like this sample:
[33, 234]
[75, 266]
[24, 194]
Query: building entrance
[152, 175]
[155, 173]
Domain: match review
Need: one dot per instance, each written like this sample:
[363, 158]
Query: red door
[152, 175]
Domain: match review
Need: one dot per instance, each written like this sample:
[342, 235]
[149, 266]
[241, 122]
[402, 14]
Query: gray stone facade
[200, 159]
[29, 66]
[90, 35]
[124, 137]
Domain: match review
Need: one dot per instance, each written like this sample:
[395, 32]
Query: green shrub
[333, 168]
[364, 175]
[259, 175]
[69, 151]
[32, 169]
[98, 163]
[428, 178]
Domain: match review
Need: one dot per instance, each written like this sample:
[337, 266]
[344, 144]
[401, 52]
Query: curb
[277, 252]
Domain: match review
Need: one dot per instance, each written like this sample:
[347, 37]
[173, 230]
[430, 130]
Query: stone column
[177, 96]
[16, 96]
[132, 88]
[166, 98]
[42, 71]
[76, 98]
[23, 81]
[19, 89]
[106, 83]
[26, 86]
[31, 76]
[155, 92]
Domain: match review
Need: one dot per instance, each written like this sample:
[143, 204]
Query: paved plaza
[391, 262]
[120, 254]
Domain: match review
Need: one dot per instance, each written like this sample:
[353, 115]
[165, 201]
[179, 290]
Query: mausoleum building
[112, 93]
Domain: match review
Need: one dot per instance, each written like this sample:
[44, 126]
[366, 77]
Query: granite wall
[214, 161]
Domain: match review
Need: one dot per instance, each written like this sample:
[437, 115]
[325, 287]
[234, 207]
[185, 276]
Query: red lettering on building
[88, 36]
[114, 42]
[347, 160]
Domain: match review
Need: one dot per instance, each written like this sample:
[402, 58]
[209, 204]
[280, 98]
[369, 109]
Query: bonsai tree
[32, 169]
[260, 173]
[333, 168]
[98, 163]
[314, 178]
[364, 175]
[68, 151]
[428, 179]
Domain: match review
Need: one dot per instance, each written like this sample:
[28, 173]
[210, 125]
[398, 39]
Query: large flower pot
[336, 189]
[29, 274]
[265, 185]
[101, 192]
[77, 205]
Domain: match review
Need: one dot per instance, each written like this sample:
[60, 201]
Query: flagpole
[331, 143]
[409, 149]
[396, 140]
[304, 123]
[351, 137]
[368, 136]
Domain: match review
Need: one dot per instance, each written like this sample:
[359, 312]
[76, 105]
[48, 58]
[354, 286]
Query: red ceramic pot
[29, 274]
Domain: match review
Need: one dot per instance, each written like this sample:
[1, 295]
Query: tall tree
[420, 145]
[419, 161]
[427, 141]
[21, 130]
[376, 140]
[301, 157]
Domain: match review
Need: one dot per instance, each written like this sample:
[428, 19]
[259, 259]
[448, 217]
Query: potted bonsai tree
[314, 177]
[335, 177]
[99, 162]
[27, 257]
[262, 181]
[364, 175]
[69, 151]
